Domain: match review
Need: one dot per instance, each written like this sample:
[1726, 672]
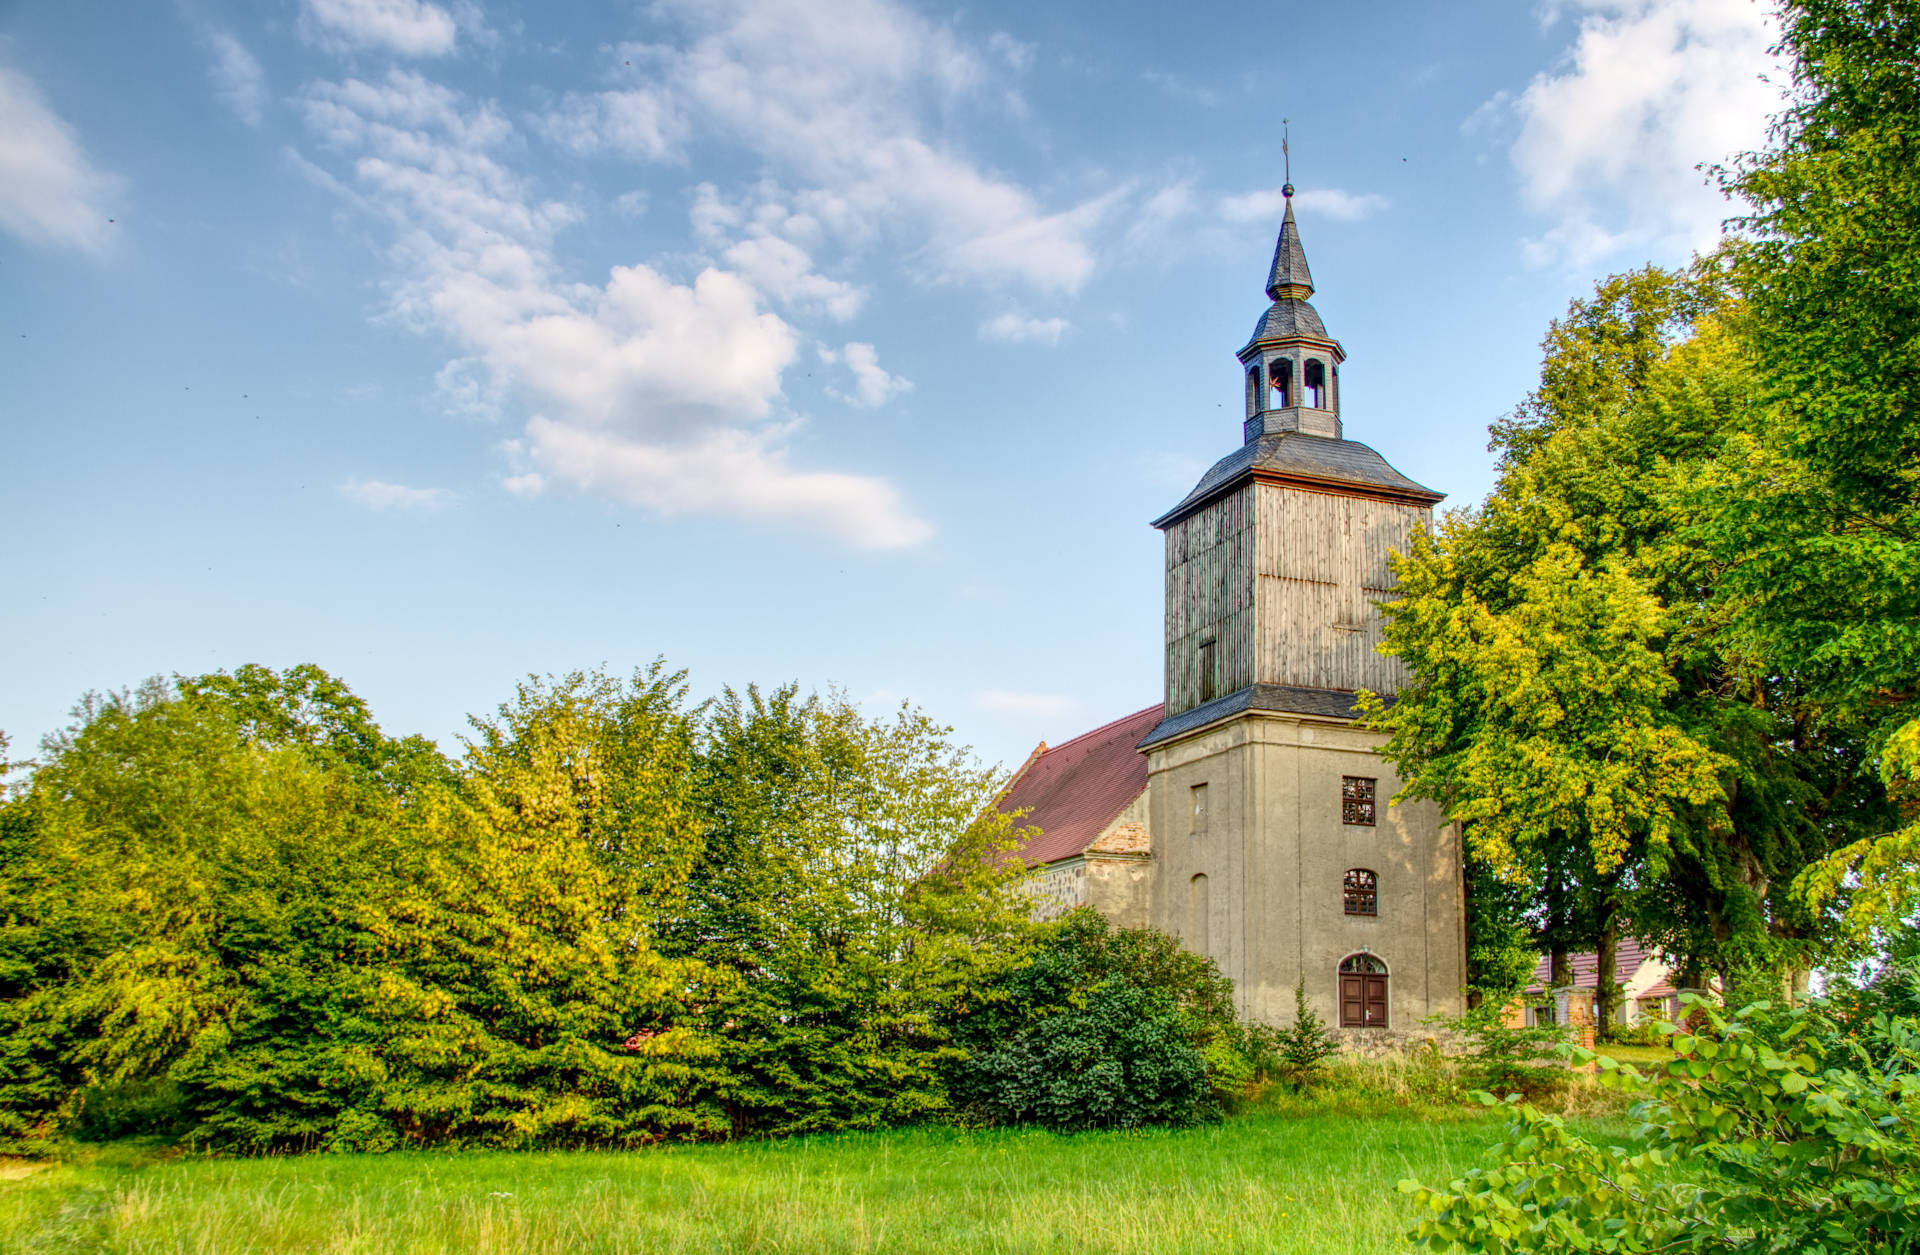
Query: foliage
[843, 959]
[1619, 763]
[1770, 1131]
[154, 1108]
[1114, 1058]
[616, 918]
[1102, 1027]
[1819, 520]
[1304, 1046]
[1508, 1058]
[1645, 1033]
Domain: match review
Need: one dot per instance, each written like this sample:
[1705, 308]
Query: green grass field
[1269, 1181]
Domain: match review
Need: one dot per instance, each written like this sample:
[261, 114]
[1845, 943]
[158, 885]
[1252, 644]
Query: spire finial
[1286, 189]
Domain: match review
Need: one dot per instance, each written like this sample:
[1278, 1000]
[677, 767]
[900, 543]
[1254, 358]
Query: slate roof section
[1289, 268]
[1286, 320]
[1279, 698]
[1304, 459]
[1074, 790]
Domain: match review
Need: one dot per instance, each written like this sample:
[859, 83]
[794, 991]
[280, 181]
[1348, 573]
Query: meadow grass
[1280, 1179]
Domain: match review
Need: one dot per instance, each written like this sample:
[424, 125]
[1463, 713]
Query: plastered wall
[1273, 851]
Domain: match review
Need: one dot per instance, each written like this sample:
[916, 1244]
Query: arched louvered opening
[1315, 380]
[1279, 384]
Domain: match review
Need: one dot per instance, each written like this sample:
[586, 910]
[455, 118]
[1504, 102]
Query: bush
[145, 1108]
[1119, 1060]
[1769, 1131]
[1104, 1028]
[1645, 1033]
[1508, 1060]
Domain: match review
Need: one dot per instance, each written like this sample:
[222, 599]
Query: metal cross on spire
[1286, 189]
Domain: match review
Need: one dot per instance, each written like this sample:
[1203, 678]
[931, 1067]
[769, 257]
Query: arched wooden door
[1363, 992]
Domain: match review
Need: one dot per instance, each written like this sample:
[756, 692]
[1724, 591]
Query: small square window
[1356, 800]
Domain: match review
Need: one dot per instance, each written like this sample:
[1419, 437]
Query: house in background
[1647, 990]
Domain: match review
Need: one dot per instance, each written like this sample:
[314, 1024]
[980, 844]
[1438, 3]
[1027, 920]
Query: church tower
[1274, 848]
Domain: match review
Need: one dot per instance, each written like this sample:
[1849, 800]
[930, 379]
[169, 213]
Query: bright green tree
[853, 897]
[1576, 701]
[1819, 527]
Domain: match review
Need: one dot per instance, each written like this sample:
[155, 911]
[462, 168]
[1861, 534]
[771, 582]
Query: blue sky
[853, 343]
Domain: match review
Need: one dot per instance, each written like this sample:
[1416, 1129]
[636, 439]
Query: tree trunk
[1559, 969]
[1606, 992]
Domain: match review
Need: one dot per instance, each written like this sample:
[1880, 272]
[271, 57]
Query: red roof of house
[1071, 792]
[1628, 955]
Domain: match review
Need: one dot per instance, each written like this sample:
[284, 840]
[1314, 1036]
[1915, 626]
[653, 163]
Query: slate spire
[1289, 279]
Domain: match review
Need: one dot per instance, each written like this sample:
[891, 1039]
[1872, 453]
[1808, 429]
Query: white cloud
[1016, 53]
[728, 472]
[238, 80]
[1158, 216]
[1608, 144]
[1034, 705]
[411, 28]
[653, 390]
[50, 193]
[872, 386]
[843, 102]
[1014, 328]
[641, 123]
[377, 494]
[783, 270]
[1270, 204]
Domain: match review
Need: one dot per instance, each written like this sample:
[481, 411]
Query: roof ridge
[1054, 749]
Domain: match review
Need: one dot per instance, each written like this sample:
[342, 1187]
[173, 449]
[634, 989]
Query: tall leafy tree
[1577, 703]
[850, 890]
[1820, 529]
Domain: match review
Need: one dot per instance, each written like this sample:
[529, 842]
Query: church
[1247, 814]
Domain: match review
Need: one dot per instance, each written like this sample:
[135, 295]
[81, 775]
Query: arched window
[1316, 382]
[1280, 384]
[1363, 992]
[1253, 391]
[1197, 914]
[1363, 892]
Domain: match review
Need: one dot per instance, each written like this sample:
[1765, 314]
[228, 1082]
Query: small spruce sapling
[1305, 1045]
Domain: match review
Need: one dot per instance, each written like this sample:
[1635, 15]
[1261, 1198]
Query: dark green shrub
[1118, 1060]
[1103, 1028]
[147, 1108]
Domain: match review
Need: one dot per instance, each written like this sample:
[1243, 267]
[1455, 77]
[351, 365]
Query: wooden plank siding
[1210, 565]
[1283, 580]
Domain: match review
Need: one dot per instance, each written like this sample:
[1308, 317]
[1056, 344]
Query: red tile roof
[1071, 792]
[1628, 954]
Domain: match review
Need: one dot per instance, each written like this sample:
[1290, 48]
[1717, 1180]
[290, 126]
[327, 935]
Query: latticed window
[1363, 892]
[1356, 800]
